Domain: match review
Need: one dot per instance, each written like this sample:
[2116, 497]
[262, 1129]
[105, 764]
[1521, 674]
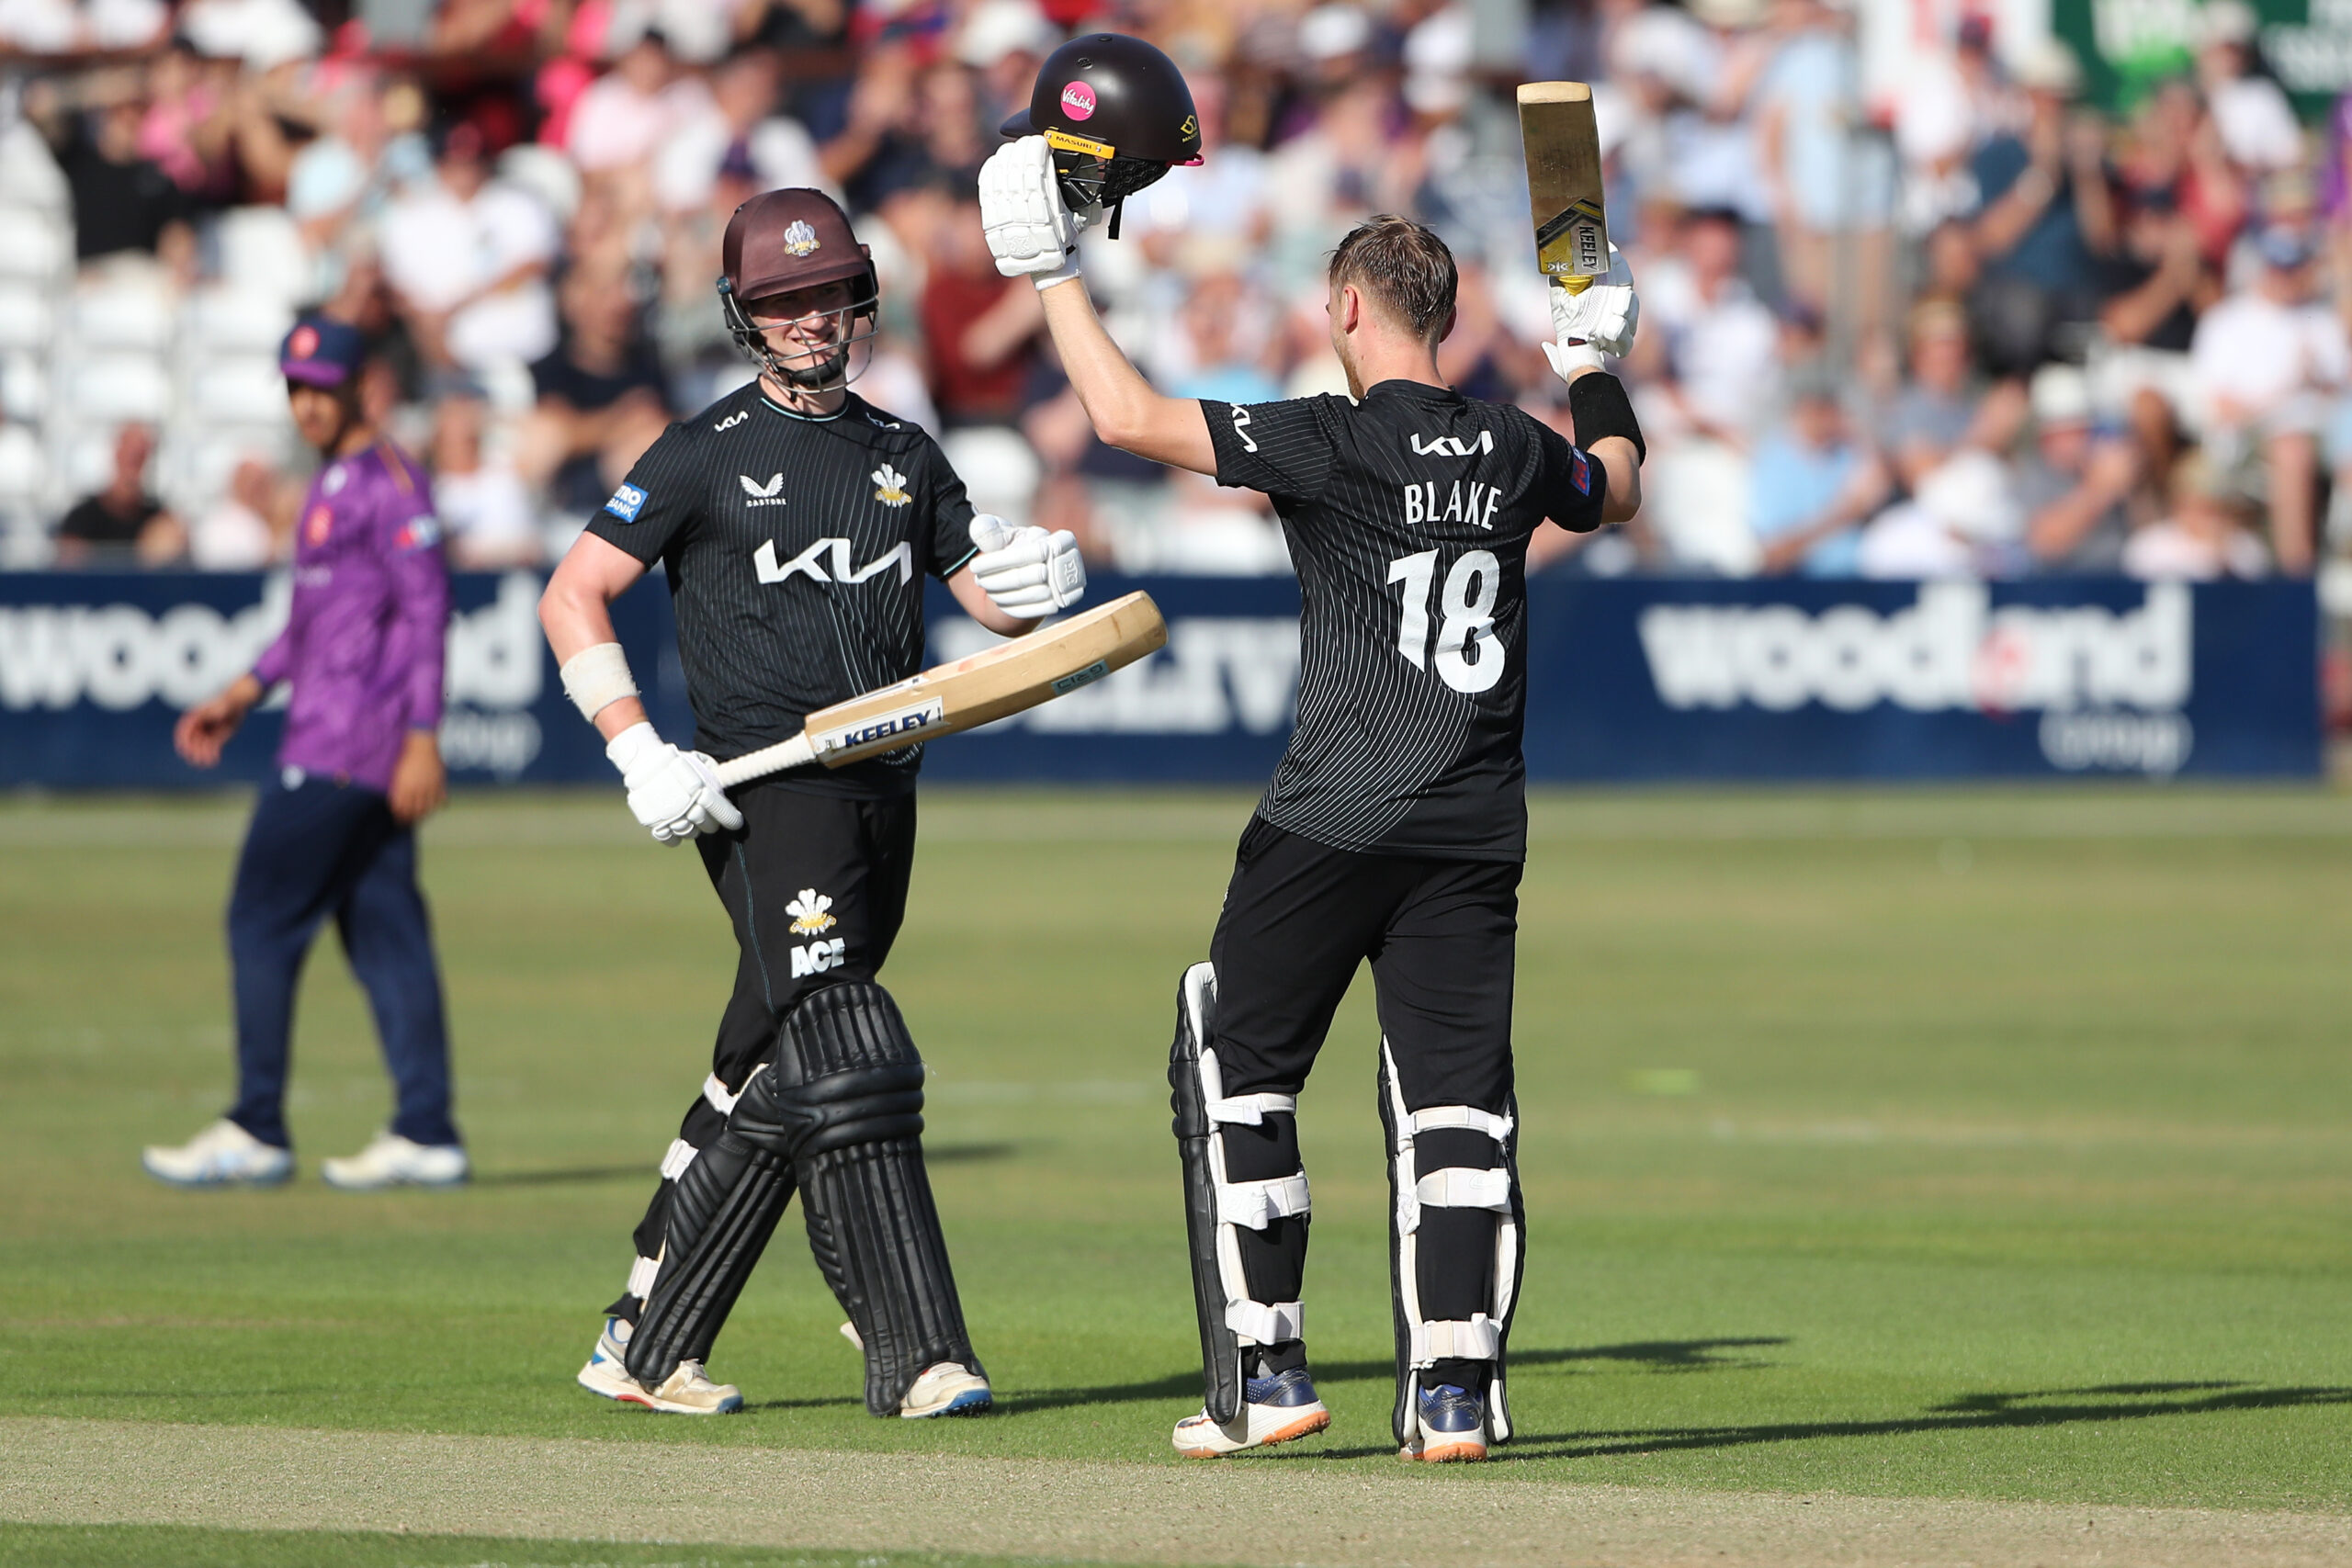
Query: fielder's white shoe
[685, 1391]
[947, 1388]
[1279, 1408]
[393, 1161]
[223, 1155]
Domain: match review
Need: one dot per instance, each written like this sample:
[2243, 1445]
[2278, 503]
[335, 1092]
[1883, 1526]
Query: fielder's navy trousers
[318, 848]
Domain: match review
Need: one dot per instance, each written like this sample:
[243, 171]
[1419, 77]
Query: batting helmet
[781, 240]
[1117, 113]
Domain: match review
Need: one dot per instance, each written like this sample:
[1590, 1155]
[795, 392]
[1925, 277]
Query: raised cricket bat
[1564, 182]
[968, 693]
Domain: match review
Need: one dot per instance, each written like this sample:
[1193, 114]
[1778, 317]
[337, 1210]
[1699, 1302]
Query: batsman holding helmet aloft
[1395, 829]
[796, 523]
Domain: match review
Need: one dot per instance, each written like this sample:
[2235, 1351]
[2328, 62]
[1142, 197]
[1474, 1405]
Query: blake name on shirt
[1478, 506]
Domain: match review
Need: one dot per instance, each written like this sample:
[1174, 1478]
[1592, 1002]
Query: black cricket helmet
[1117, 113]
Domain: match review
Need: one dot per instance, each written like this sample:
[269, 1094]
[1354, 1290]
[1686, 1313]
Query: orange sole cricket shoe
[1278, 1409]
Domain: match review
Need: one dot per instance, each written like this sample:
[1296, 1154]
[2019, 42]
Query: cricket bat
[972, 692]
[1564, 182]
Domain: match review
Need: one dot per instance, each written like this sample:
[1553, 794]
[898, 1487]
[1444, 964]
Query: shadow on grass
[1658, 1355]
[968, 1154]
[1971, 1412]
[568, 1176]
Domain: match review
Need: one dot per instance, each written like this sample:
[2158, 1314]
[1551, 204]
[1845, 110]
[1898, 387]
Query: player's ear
[1447, 331]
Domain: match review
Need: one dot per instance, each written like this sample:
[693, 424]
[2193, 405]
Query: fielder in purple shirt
[359, 765]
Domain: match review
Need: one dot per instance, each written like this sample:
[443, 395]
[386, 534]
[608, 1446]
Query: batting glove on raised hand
[676, 795]
[1027, 572]
[1598, 321]
[1031, 230]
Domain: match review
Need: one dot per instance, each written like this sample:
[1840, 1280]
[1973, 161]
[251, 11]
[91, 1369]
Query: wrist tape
[1599, 405]
[597, 677]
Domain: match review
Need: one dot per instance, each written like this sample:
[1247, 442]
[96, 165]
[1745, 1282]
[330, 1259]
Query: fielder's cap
[784, 240]
[321, 352]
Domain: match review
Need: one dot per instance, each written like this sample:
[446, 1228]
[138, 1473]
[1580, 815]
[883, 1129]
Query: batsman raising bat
[796, 523]
[1395, 829]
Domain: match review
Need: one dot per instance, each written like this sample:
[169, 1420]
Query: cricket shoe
[393, 1161]
[685, 1391]
[1276, 1409]
[1452, 1427]
[223, 1155]
[947, 1388]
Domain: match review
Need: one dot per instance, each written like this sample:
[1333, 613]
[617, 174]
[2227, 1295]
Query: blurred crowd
[1970, 327]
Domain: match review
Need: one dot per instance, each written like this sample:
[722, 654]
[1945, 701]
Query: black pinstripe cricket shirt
[1407, 516]
[796, 550]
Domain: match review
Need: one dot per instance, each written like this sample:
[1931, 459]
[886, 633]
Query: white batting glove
[1599, 321]
[675, 794]
[1027, 572]
[1031, 230]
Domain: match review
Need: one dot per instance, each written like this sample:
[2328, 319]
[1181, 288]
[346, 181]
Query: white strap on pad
[1452, 1187]
[1251, 1109]
[1251, 1205]
[1476, 1340]
[1257, 1204]
[1257, 1323]
[721, 1098]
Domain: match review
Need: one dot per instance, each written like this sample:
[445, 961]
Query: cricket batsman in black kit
[796, 523]
[1395, 829]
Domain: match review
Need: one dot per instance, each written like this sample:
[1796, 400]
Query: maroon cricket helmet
[784, 240]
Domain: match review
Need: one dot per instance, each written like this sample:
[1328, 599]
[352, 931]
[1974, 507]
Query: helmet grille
[1088, 181]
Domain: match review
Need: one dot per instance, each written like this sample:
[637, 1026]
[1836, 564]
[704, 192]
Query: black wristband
[1597, 403]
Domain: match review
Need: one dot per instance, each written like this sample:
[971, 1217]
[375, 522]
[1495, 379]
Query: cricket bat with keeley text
[971, 692]
[1564, 182]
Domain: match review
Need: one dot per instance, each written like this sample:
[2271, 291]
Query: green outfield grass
[68, 1546]
[1974, 1145]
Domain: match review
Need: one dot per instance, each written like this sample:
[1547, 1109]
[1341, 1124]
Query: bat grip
[793, 754]
[1573, 283]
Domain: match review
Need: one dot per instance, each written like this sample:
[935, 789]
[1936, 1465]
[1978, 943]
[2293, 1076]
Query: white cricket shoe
[1279, 1408]
[685, 1391]
[393, 1161]
[223, 1155]
[947, 1388]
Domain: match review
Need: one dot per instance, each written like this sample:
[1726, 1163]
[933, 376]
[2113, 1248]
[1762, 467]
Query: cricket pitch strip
[1265, 1510]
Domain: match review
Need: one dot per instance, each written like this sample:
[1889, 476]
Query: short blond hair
[1405, 268]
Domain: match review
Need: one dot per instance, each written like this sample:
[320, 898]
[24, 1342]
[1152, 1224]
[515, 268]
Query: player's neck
[800, 401]
[1390, 361]
[357, 438]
